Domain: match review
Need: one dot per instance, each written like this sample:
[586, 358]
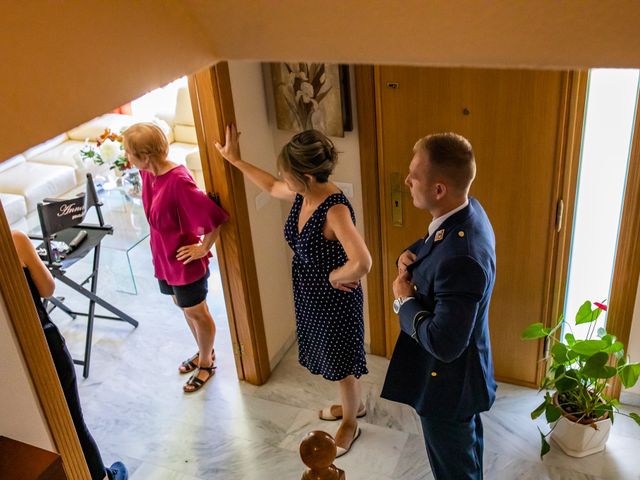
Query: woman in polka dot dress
[330, 258]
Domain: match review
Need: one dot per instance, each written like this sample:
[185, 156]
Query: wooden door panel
[513, 120]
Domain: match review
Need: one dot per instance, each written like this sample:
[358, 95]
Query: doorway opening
[605, 154]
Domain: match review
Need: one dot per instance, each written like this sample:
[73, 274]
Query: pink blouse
[179, 213]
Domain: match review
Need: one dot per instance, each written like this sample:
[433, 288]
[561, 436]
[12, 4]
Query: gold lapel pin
[439, 235]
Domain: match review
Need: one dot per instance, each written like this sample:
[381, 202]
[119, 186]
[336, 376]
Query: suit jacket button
[434, 374]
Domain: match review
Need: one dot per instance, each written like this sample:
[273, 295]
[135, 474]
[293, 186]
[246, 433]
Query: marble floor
[135, 407]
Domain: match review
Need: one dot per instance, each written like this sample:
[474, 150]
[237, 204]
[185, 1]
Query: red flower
[601, 306]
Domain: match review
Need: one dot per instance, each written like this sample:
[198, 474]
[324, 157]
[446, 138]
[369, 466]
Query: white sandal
[341, 451]
[325, 414]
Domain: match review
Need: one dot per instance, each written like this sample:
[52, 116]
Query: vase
[132, 182]
[580, 439]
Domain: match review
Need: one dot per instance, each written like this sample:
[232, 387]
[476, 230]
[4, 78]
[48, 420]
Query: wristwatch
[398, 302]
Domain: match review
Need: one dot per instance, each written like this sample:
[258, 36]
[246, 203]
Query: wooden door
[515, 121]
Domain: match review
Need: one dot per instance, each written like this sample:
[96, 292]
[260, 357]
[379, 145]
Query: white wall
[21, 417]
[347, 169]
[260, 143]
[633, 349]
[270, 249]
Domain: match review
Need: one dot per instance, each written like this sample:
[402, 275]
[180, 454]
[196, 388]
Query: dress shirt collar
[437, 222]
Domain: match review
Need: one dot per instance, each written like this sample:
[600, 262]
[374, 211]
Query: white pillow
[44, 146]
[184, 113]
[94, 128]
[185, 134]
[12, 162]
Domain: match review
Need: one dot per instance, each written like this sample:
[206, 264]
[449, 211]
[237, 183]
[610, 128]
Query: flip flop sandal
[325, 414]
[195, 382]
[189, 365]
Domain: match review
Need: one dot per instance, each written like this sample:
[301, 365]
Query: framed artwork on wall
[312, 95]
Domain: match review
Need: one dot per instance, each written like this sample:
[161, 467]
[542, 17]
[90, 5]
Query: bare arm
[339, 223]
[30, 259]
[264, 180]
[189, 253]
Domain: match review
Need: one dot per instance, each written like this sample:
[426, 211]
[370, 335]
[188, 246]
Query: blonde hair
[451, 156]
[146, 138]
[308, 153]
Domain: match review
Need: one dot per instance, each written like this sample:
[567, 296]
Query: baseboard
[630, 398]
[283, 351]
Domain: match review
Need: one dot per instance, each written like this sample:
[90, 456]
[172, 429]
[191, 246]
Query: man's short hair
[451, 156]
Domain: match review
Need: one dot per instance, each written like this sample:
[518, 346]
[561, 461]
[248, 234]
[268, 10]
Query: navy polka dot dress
[329, 322]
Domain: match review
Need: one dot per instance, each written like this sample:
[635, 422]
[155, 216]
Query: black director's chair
[61, 222]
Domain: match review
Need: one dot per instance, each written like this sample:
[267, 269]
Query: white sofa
[54, 168]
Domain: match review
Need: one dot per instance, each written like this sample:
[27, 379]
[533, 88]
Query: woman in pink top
[184, 224]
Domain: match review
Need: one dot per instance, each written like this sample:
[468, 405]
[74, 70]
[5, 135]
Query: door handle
[559, 214]
[396, 199]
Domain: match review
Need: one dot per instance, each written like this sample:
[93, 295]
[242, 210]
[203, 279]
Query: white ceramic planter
[579, 440]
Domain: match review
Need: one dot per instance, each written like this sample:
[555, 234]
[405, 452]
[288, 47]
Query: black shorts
[187, 295]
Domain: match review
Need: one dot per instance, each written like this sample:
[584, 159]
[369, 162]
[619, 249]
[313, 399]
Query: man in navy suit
[441, 365]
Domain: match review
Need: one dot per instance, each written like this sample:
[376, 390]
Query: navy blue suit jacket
[441, 364]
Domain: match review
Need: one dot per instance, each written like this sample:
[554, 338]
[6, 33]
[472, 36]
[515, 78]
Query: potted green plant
[579, 412]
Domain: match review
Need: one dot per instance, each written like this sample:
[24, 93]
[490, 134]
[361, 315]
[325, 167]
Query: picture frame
[312, 96]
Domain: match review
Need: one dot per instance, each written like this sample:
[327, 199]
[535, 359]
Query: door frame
[567, 163]
[626, 270]
[212, 103]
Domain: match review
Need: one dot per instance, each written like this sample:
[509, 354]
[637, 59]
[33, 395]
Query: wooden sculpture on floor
[318, 451]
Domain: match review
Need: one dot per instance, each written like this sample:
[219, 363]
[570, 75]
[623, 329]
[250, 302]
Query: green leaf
[584, 314]
[589, 347]
[629, 374]
[572, 355]
[595, 366]
[601, 332]
[608, 338]
[570, 339]
[621, 361]
[597, 360]
[636, 417]
[552, 413]
[601, 409]
[559, 353]
[616, 347]
[566, 383]
[539, 409]
[535, 330]
[545, 447]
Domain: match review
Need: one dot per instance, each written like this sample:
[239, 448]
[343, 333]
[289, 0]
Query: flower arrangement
[579, 371]
[108, 150]
[305, 88]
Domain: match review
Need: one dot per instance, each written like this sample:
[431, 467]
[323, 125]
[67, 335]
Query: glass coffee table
[124, 212]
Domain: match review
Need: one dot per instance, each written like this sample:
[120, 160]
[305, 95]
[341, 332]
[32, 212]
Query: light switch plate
[261, 200]
[347, 188]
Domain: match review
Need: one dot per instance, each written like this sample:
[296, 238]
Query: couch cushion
[67, 154]
[185, 134]
[36, 181]
[94, 128]
[166, 128]
[10, 163]
[184, 113]
[178, 152]
[193, 161]
[14, 206]
[44, 146]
